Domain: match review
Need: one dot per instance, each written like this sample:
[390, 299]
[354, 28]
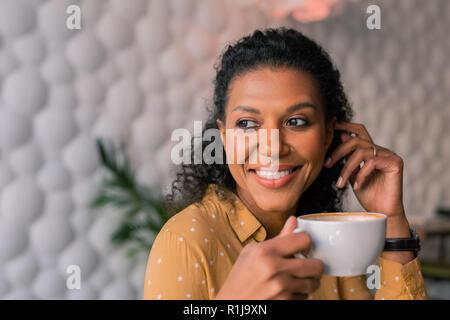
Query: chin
[274, 203]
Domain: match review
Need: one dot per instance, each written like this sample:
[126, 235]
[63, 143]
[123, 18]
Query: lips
[274, 177]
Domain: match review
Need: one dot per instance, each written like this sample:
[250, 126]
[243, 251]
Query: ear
[330, 132]
[221, 126]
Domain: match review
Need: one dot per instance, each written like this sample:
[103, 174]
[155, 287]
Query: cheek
[236, 153]
[237, 171]
[311, 146]
[241, 146]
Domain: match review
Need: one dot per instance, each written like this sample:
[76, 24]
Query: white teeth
[273, 174]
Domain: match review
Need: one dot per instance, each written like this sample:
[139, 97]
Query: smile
[273, 175]
[274, 178]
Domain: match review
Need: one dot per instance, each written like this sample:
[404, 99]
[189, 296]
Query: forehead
[268, 86]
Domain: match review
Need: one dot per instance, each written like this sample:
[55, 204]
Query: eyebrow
[295, 107]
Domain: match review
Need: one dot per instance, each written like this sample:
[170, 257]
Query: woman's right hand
[268, 270]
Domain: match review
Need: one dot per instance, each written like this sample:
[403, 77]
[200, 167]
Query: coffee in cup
[346, 242]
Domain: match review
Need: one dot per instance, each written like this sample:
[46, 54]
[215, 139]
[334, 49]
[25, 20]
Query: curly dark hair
[276, 48]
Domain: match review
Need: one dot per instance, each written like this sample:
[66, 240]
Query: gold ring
[374, 151]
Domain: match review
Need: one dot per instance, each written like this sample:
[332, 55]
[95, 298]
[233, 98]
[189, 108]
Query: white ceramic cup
[346, 242]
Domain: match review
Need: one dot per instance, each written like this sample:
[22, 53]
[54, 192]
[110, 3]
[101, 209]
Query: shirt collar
[243, 222]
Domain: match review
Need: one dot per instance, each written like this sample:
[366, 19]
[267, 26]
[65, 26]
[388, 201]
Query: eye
[296, 122]
[246, 124]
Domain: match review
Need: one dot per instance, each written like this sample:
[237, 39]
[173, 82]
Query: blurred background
[138, 69]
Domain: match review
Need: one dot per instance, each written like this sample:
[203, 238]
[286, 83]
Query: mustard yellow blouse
[195, 250]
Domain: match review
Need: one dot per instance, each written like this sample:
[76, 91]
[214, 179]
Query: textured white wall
[139, 69]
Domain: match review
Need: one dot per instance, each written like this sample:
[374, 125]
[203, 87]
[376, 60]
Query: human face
[288, 100]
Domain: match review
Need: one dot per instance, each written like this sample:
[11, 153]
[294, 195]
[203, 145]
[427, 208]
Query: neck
[273, 221]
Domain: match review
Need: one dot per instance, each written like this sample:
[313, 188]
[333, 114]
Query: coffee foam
[342, 216]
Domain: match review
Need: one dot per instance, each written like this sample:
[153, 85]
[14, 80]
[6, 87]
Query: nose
[272, 144]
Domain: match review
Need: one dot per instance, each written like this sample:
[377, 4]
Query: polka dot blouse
[195, 250]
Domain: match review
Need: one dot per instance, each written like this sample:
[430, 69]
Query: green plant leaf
[121, 190]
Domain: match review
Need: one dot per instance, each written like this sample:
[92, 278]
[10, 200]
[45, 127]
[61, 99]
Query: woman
[234, 238]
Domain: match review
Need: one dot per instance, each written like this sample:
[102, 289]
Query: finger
[353, 163]
[344, 149]
[352, 178]
[289, 244]
[345, 137]
[290, 296]
[384, 163]
[357, 128]
[353, 175]
[286, 286]
[304, 268]
[289, 226]
[303, 285]
[299, 296]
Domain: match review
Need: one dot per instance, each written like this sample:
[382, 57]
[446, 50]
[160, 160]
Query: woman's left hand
[378, 184]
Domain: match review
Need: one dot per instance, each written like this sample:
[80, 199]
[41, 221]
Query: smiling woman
[233, 238]
[274, 53]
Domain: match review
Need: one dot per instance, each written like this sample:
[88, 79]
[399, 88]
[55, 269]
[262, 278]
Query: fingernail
[355, 186]
[328, 161]
[338, 183]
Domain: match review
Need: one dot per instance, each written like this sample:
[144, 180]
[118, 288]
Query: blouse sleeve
[401, 282]
[174, 271]
[397, 282]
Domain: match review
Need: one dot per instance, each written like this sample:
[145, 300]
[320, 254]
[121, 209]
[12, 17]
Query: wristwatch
[404, 244]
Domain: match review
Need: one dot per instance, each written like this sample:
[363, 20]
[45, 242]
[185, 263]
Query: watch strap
[403, 244]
